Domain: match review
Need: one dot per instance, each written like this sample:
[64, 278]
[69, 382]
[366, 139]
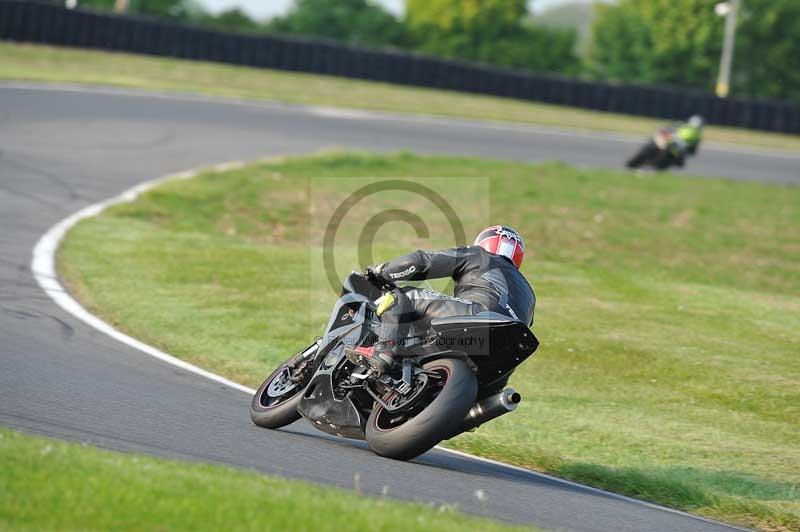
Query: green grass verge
[669, 308]
[50, 64]
[52, 485]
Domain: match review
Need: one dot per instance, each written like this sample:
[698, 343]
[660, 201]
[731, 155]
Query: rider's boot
[383, 356]
[380, 357]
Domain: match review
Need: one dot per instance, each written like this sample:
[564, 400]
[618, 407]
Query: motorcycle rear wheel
[406, 439]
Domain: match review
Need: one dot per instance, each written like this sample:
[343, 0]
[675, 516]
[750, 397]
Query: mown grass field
[53, 485]
[25, 62]
[669, 307]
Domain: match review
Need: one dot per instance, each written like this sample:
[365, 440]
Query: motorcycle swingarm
[408, 371]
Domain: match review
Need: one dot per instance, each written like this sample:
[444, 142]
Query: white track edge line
[43, 266]
[44, 270]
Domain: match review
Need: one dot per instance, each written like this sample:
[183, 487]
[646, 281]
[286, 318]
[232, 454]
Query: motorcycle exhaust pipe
[490, 408]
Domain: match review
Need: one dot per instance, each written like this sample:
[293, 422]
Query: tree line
[675, 42]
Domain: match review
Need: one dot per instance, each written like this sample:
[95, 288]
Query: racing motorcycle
[662, 150]
[450, 378]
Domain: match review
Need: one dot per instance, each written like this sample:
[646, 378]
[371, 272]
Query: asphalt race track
[61, 150]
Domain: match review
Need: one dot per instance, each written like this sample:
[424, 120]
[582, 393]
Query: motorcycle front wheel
[403, 436]
[274, 405]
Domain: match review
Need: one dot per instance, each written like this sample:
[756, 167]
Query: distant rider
[486, 275]
[671, 144]
[687, 137]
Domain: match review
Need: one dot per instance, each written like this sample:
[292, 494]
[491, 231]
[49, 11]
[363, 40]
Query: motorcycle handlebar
[379, 282]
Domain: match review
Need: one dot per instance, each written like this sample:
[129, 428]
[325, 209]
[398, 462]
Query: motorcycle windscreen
[355, 283]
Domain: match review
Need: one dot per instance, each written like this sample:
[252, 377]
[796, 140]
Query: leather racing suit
[684, 140]
[483, 282]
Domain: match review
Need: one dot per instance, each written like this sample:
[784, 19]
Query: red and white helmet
[502, 240]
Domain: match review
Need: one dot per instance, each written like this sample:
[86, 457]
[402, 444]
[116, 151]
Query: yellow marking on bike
[385, 302]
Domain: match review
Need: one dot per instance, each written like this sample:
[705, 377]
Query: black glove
[377, 280]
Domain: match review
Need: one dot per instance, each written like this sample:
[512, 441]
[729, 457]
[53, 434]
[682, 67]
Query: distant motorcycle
[449, 380]
[662, 150]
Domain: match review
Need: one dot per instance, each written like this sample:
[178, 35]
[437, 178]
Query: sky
[262, 9]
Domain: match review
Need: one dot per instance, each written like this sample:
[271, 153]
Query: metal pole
[723, 82]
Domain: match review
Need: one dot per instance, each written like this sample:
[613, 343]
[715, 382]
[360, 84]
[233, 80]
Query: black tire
[275, 412]
[439, 420]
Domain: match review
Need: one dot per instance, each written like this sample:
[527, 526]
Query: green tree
[490, 18]
[174, 9]
[767, 58]
[353, 21]
[661, 41]
[489, 31]
[573, 14]
[95, 4]
[620, 45]
[679, 42]
[233, 19]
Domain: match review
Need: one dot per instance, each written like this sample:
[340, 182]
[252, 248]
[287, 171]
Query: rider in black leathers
[486, 278]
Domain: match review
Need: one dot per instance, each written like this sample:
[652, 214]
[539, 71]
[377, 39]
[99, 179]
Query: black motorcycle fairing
[347, 328]
[320, 406]
[506, 342]
[657, 157]
[349, 313]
